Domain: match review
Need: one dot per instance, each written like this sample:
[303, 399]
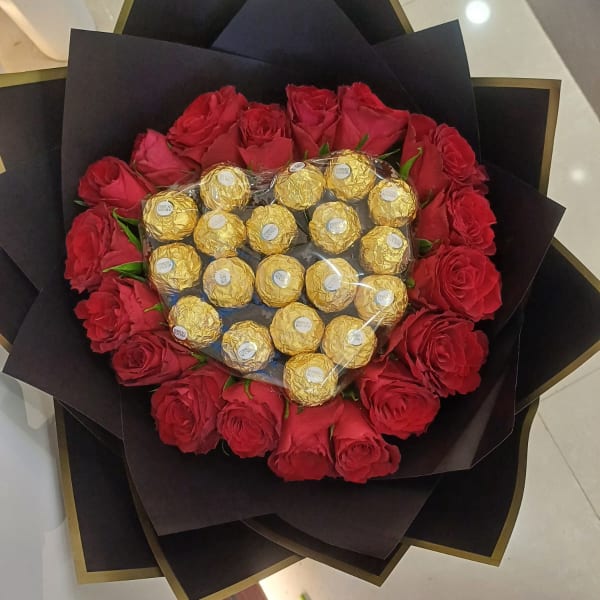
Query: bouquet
[472, 227]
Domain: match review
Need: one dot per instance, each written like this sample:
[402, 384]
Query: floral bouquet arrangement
[304, 307]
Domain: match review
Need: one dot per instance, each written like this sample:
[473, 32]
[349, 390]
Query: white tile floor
[555, 549]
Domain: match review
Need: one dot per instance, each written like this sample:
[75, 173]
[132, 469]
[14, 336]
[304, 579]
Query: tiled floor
[555, 549]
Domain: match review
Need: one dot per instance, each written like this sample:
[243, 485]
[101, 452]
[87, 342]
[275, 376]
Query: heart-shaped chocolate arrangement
[285, 276]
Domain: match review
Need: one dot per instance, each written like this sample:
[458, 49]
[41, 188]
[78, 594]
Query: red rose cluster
[434, 353]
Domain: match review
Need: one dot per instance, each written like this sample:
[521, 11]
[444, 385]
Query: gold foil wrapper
[296, 328]
[381, 299]
[349, 342]
[194, 323]
[170, 216]
[334, 227]
[224, 187]
[279, 280]
[300, 186]
[174, 267]
[219, 233]
[310, 378]
[384, 250]
[228, 282]
[392, 202]
[331, 284]
[350, 175]
[247, 347]
[271, 229]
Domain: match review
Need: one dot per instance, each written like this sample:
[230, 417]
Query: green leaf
[81, 203]
[362, 141]
[134, 239]
[202, 360]
[131, 269]
[305, 155]
[390, 153]
[158, 306]
[134, 222]
[230, 381]
[300, 409]
[407, 166]
[410, 283]
[324, 149]
[286, 412]
[247, 383]
[424, 246]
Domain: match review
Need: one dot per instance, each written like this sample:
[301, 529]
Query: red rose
[304, 449]
[442, 351]
[397, 403]
[448, 161]
[96, 242]
[361, 452]
[185, 409]
[265, 137]
[118, 309]
[364, 114]
[153, 158]
[459, 218]
[459, 279]
[250, 420]
[208, 118]
[314, 115]
[111, 182]
[150, 357]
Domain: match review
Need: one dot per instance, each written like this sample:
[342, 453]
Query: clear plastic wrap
[285, 276]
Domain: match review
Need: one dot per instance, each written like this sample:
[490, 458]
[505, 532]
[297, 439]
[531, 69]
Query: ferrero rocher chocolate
[174, 267]
[170, 216]
[350, 175]
[296, 328]
[228, 282]
[331, 284]
[381, 299]
[384, 250]
[219, 233]
[300, 186]
[247, 347]
[310, 378]
[271, 229]
[349, 342]
[194, 323]
[392, 202]
[334, 227]
[279, 280]
[225, 187]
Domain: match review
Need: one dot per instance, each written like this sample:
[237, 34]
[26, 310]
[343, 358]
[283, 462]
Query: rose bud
[360, 452]
[119, 308]
[265, 137]
[153, 158]
[459, 279]
[459, 218]
[396, 402]
[185, 409]
[314, 115]
[204, 123]
[251, 417]
[150, 357]
[304, 449]
[111, 182]
[363, 114]
[442, 351]
[94, 243]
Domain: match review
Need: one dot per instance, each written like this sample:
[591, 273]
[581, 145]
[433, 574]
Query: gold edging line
[5, 343]
[168, 572]
[340, 565]
[513, 511]
[81, 571]
[401, 15]
[123, 16]
[2, 167]
[553, 88]
[25, 77]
